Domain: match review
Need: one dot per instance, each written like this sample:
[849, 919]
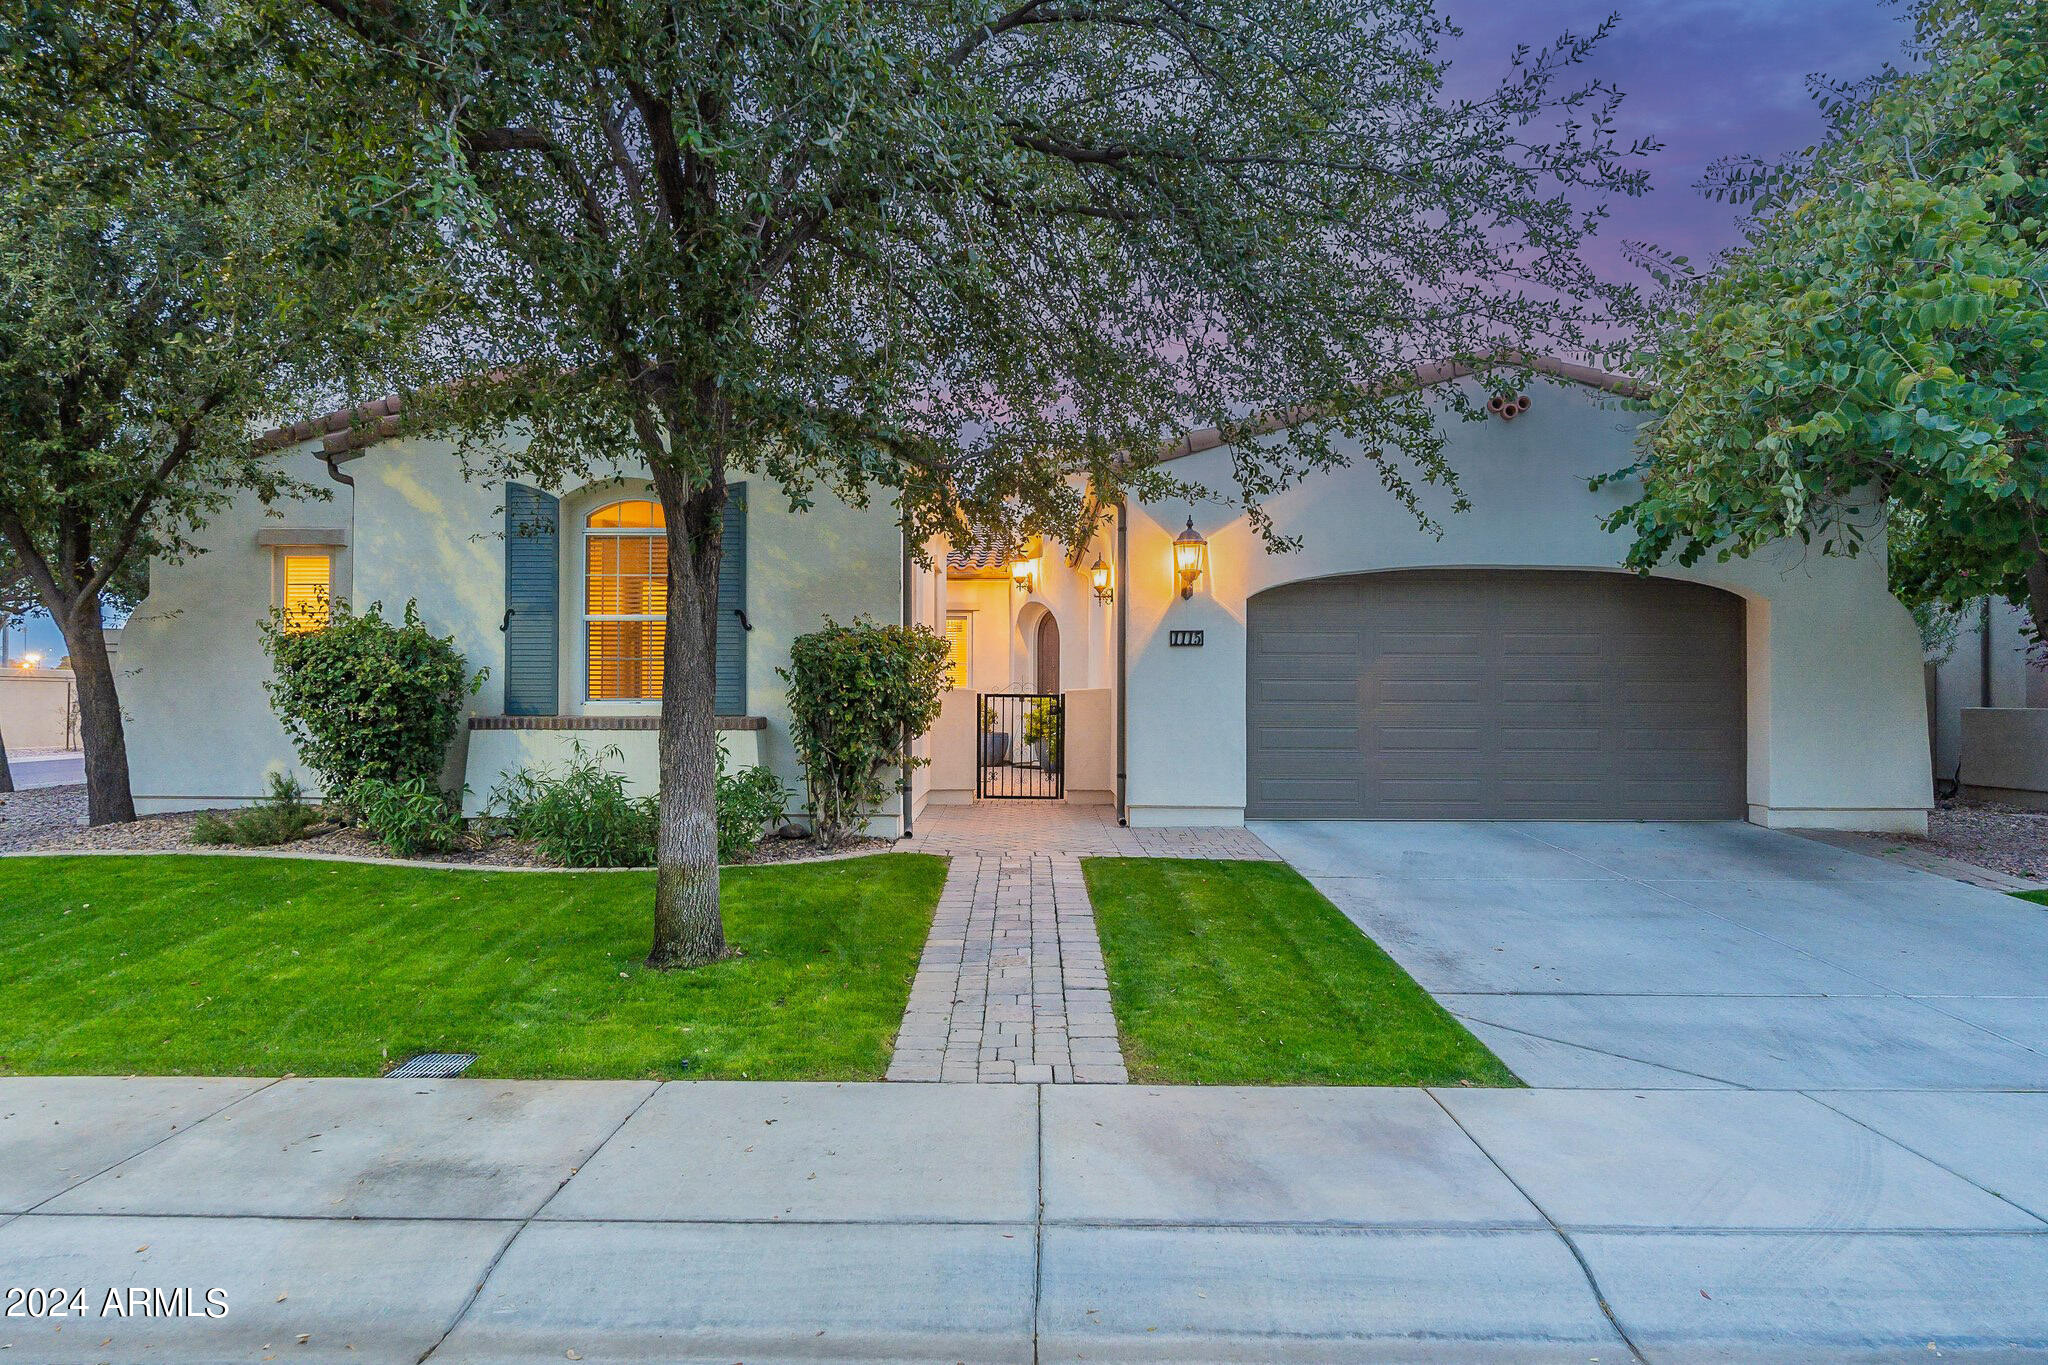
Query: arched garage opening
[1495, 694]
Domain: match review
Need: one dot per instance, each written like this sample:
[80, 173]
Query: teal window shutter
[731, 691]
[532, 602]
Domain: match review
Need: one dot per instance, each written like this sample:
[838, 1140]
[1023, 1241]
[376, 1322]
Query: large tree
[1875, 352]
[957, 252]
[166, 281]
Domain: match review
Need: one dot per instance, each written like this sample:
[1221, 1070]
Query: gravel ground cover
[52, 820]
[1998, 837]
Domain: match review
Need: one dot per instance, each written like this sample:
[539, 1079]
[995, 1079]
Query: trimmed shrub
[858, 695]
[409, 818]
[364, 698]
[581, 816]
[278, 818]
[747, 801]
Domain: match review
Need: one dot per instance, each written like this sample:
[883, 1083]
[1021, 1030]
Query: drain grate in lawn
[1241, 973]
[431, 1064]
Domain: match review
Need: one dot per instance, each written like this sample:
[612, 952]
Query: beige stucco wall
[38, 709]
[191, 669]
[2004, 755]
[201, 729]
[1837, 724]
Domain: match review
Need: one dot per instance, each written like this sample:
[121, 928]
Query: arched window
[625, 600]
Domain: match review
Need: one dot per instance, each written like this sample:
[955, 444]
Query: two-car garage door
[1495, 694]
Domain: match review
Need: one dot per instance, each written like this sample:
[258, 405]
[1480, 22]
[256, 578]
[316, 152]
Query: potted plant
[995, 743]
[1042, 733]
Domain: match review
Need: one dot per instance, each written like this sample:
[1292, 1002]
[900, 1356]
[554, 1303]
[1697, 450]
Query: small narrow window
[625, 601]
[308, 596]
[959, 645]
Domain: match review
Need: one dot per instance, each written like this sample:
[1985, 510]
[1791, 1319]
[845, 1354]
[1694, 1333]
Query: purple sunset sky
[1708, 78]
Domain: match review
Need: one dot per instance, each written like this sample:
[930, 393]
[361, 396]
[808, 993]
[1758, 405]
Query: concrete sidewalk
[46, 769]
[477, 1220]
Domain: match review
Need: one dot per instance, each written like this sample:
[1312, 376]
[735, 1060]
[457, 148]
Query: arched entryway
[1491, 694]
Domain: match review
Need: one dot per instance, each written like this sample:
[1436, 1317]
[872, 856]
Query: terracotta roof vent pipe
[1508, 409]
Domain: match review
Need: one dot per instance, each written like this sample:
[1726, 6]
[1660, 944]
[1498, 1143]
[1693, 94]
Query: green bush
[858, 695]
[747, 801]
[278, 818]
[363, 698]
[1042, 726]
[409, 818]
[581, 816]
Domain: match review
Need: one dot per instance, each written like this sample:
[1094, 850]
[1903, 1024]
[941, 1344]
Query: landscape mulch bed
[53, 820]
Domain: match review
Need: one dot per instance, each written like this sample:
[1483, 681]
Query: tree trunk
[6, 772]
[688, 928]
[108, 798]
[2037, 595]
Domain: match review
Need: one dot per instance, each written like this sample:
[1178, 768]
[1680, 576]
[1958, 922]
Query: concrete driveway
[1697, 955]
[477, 1220]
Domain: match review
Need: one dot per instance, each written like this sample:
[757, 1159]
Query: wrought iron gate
[1022, 750]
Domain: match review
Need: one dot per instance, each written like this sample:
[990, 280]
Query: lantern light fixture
[1098, 574]
[1190, 558]
[1024, 573]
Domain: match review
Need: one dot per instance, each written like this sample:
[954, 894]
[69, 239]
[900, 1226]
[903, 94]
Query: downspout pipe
[1123, 616]
[1984, 652]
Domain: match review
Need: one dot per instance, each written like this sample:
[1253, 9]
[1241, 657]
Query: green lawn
[186, 965]
[1240, 973]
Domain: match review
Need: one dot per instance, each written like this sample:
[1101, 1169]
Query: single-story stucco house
[1506, 670]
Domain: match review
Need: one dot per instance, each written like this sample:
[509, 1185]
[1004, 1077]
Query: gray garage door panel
[1495, 694]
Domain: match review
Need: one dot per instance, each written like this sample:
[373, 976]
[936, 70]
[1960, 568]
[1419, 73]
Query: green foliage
[172, 279]
[857, 695]
[1876, 352]
[580, 816]
[964, 254]
[409, 818]
[1042, 726]
[1938, 624]
[367, 698]
[278, 818]
[747, 800]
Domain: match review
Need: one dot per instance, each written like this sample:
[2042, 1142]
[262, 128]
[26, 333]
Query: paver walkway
[1011, 987]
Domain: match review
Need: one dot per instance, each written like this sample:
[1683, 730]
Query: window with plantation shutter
[959, 646]
[308, 591]
[625, 601]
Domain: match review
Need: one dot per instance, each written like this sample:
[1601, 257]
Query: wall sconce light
[1098, 573]
[1190, 557]
[1024, 573]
